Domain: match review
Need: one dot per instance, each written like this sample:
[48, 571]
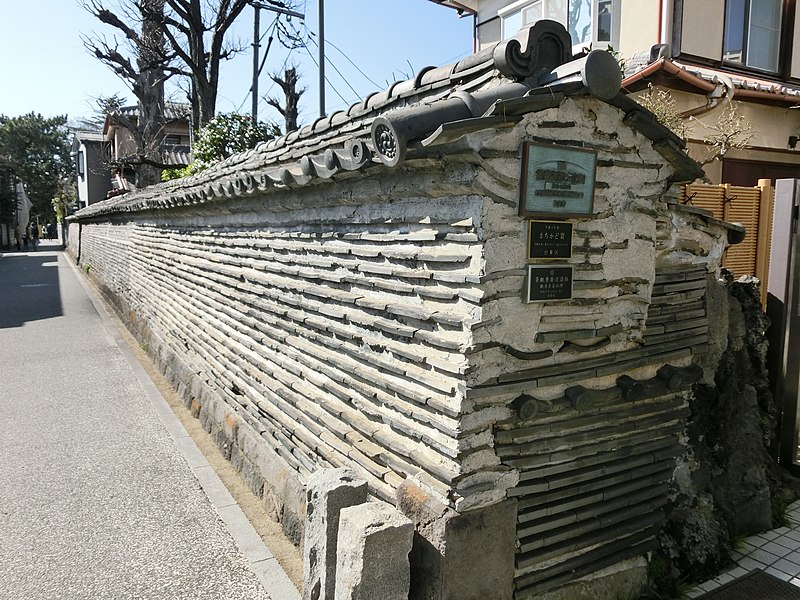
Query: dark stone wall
[727, 485]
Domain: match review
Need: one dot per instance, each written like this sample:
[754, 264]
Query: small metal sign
[549, 240]
[549, 283]
[556, 181]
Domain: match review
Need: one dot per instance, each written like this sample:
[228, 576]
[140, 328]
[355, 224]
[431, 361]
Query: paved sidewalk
[102, 492]
[776, 552]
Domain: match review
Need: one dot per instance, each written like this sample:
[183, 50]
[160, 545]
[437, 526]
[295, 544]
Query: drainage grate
[756, 585]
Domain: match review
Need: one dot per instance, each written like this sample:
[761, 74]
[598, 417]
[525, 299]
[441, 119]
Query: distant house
[8, 205]
[706, 53]
[176, 150]
[92, 166]
[15, 206]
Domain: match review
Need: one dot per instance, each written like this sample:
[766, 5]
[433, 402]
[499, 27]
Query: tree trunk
[150, 92]
[206, 100]
[289, 109]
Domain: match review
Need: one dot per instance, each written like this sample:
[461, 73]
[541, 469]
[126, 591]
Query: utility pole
[321, 58]
[256, 52]
[257, 6]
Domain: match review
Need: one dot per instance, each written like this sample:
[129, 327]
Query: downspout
[665, 15]
[719, 91]
[721, 95]
[660, 21]
[474, 32]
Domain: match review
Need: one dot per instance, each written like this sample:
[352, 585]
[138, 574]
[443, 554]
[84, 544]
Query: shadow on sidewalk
[29, 289]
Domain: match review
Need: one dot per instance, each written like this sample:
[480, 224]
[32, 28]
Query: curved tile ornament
[533, 51]
[389, 145]
[627, 389]
[527, 407]
[354, 155]
[327, 164]
[598, 73]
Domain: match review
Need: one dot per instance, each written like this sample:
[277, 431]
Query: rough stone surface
[372, 560]
[467, 556]
[624, 581]
[328, 492]
[726, 482]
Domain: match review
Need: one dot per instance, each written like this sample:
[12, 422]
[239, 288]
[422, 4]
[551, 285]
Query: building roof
[496, 87]
[173, 111]
[86, 137]
[462, 6]
[176, 155]
[660, 70]
[89, 136]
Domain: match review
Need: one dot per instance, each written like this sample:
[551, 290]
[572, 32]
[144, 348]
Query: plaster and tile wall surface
[337, 329]
[377, 321]
[586, 421]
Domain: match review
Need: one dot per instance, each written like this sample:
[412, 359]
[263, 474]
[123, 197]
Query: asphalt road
[97, 500]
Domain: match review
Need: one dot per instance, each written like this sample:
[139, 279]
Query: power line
[247, 95]
[328, 81]
[340, 74]
[330, 43]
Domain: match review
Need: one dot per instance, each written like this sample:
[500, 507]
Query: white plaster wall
[638, 26]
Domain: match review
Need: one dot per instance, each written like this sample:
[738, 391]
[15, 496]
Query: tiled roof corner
[705, 79]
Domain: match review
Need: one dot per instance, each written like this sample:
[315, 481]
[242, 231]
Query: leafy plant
[662, 105]
[225, 135]
[178, 172]
[662, 584]
[780, 514]
[38, 149]
[731, 131]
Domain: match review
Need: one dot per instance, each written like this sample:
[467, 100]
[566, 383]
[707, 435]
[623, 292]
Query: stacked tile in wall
[109, 247]
[340, 344]
[595, 467]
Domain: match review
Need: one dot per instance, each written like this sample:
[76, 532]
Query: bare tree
[197, 32]
[289, 109]
[579, 21]
[137, 54]
[103, 105]
[731, 130]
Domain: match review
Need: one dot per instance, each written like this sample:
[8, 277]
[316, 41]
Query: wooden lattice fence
[750, 206]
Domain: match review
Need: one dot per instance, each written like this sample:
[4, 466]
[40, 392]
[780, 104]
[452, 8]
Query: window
[753, 33]
[525, 13]
[172, 140]
[604, 25]
[79, 164]
[590, 23]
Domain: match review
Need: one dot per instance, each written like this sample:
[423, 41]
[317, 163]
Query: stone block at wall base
[624, 581]
[329, 491]
[374, 541]
[459, 556]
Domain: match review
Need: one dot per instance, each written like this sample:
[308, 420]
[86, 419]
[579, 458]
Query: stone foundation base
[623, 581]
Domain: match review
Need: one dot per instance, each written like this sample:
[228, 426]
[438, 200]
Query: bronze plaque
[549, 240]
[549, 283]
[556, 181]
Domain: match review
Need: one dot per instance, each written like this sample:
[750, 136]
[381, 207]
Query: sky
[45, 68]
